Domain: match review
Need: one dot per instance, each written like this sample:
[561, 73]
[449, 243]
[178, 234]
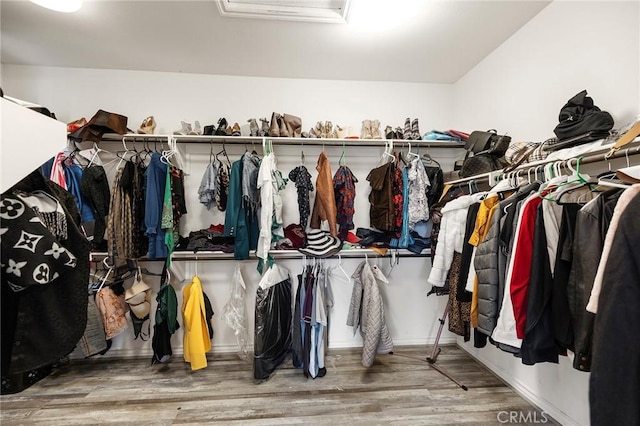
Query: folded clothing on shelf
[206, 240]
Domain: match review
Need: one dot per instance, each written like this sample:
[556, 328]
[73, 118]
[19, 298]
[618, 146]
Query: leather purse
[489, 142]
[481, 163]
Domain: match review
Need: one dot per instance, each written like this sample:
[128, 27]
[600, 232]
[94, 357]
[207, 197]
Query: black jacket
[614, 387]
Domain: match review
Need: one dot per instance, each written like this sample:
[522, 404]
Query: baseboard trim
[522, 390]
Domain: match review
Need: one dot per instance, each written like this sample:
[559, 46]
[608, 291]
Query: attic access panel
[323, 11]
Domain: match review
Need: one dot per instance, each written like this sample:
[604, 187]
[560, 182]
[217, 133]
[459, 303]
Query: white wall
[519, 89]
[569, 46]
[171, 97]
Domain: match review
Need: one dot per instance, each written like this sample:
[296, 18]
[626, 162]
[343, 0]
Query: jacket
[614, 385]
[366, 311]
[43, 323]
[450, 237]
[196, 332]
[324, 206]
[156, 179]
[381, 198]
[239, 221]
[592, 223]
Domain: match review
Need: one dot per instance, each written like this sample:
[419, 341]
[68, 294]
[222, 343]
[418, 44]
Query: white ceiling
[413, 41]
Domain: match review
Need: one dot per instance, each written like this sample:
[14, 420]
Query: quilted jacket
[366, 311]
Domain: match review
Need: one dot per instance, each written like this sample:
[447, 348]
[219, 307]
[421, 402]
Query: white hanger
[341, 268]
[126, 151]
[411, 154]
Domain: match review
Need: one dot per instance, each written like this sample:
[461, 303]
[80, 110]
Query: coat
[239, 222]
[614, 385]
[366, 311]
[324, 207]
[196, 334]
[381, 197]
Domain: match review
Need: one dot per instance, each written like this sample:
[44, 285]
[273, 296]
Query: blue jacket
[156, 177]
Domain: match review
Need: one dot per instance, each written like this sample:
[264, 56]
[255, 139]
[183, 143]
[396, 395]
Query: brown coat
[381, 197]
[324, 207]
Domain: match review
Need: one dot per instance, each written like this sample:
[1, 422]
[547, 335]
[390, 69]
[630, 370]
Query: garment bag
[272, 322]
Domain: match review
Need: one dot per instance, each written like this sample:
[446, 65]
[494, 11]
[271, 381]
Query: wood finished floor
[399, 389]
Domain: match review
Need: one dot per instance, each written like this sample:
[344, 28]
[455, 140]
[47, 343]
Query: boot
[264, 131]
[274, 128]
[197, 130]
[375, 129]
[415, 130]
[407, 129]
[253, 127]
[399, 133]
[366, 130]
[294, 125]
[186, 128]
[389, 133]
[284, 131]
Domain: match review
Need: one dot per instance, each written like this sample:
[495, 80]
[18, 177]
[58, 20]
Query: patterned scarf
[302, 178]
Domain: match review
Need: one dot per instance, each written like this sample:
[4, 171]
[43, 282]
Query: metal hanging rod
[241, 140]
[599, 156]
[186, 256]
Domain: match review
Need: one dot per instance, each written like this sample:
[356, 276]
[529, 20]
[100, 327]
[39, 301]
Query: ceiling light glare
[66, 6]
[381, 15]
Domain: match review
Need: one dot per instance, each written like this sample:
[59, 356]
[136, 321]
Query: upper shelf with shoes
[113, 137]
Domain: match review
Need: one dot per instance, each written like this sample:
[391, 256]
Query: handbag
[481, 163]
[490, 142]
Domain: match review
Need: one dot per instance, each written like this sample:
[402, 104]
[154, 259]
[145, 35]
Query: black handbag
[481, 163]
[581, 121]
[489, 142]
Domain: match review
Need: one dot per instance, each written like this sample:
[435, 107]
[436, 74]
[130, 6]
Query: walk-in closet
[320, 212]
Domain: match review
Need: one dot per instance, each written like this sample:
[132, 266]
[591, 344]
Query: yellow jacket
[196, 332]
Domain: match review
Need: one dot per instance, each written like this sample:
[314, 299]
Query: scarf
[302, 179]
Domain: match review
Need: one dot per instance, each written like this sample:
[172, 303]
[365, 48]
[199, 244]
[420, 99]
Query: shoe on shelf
[375, 129]
[148, 126]
[274, 127]
[319, 130]
[293, 124]
[415, 130]
[235, 130]
[229, 131]
[365, 133]
[398, 133]
[284, 131]
[75, 125]
[407, 129]
[197, 130]
[305, 135]
[264, 130]
[221, 130]
[328, 130]
[389, 133]
[253, 127]
[341, 132]
[185, 130]
[209, 130]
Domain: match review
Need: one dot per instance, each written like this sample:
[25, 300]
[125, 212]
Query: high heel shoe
[229, 131]
[328, 130]
[365, 133]
[197, 130]
[148, 126]
[235, 131]
[253, 127]
[222, 127]
[375, 129]
[341, 132]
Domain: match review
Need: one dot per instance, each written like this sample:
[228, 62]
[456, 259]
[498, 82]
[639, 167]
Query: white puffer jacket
[451, 237]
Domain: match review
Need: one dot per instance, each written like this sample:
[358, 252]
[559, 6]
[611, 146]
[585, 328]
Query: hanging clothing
[166, 321]
[208, 186]
[272, 340]
[265, 173]
[95, 189]
[119, 222]
[366, 312]
[139, 241]
[156, 181]
[222, 185]
[381, 211]
[302, 179]
[405, 239]
[397, 188]
[73, 177]
[344, 187]
[250, 191]
[43, 323]
[615, 379]
[234, 314]
[196, 335]
[240, 222]
[451, 236]
[419, 184]
[57, 170]
[324, 206]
